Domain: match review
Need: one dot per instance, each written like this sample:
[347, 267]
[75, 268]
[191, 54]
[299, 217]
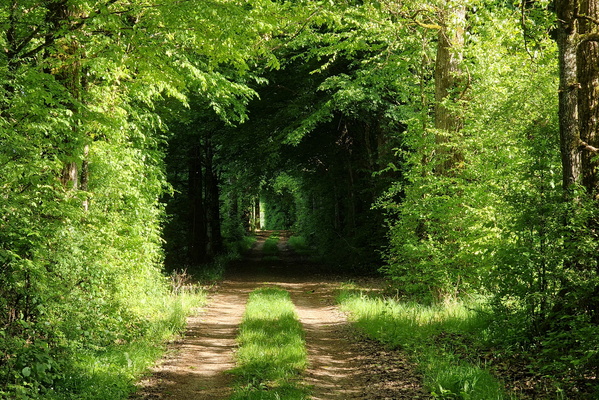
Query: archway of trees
[449, 145]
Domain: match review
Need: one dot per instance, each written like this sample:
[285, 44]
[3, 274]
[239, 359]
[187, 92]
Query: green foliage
[300, 245]
[82, 173]
[453, 379]
[410, 324]
[322, 108]
[271, 248]
[447, 229]
[237, 249]
[278, 210]
[272, 351]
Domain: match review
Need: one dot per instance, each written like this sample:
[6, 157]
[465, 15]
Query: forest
[449, 146]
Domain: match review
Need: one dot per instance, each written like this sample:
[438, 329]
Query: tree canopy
[448, 145]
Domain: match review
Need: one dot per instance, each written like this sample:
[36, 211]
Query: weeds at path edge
[422, 331]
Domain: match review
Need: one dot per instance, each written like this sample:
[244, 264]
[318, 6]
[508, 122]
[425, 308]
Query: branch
[428, 26]
[95, 13]
[432, 25]
[27, 40]
[525, 29]
[585, 146]
[468, 84]
[51, 37]
[590, 19]
[50, 40]
[413, 18]
[589, 37]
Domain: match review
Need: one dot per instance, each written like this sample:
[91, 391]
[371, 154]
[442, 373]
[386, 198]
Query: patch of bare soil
[342, 364]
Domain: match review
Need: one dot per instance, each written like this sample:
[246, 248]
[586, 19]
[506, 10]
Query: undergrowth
[214, 270]
[272, 351]
[300, 245]
[236, 248]
[270, 250]
[438, 337]
[109, 372]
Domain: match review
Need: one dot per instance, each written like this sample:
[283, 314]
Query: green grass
[272, 352]
[270, 249]
[439, 337]
[111, 373]
[300, 245]
[238, 247]
[214, 270]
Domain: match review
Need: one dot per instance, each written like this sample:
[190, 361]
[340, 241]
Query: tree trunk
[588, 94]
[68, 72]
[197, 214]
[577, 39]
[213, 222]
[568, 91]
[258, 212]
[448, 78]
[84, 179]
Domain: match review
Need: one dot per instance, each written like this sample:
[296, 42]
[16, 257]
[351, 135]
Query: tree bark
[258, 215]
[61, 14]
[84, 178]
[588, 93]
[448, 78]
[567, 38]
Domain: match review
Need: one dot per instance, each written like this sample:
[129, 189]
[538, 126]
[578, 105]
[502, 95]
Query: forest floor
[342, 363]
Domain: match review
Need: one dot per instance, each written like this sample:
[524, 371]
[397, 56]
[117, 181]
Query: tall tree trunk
[233, 211]
[350, 220]
[568, 91]
[588, 94]
[84, 177]
[577, 40]
[258, 218]
[448, 79]
[68, 68]
[213, 222]
[197, 214]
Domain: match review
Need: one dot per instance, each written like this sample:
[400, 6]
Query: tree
[449, 83]
[566, 38]
[82, 87]
[587, 68]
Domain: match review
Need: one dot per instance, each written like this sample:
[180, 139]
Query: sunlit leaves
[82, 84]
[449, 229]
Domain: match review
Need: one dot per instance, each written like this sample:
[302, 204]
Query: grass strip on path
[437, 337]
[272, 352]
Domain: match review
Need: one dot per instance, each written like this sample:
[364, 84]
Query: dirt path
[341, 367]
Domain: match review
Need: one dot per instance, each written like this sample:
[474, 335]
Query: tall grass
[436, 336]
[110, 373]
[272, 351]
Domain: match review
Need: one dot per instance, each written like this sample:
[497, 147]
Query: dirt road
[341, 366]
